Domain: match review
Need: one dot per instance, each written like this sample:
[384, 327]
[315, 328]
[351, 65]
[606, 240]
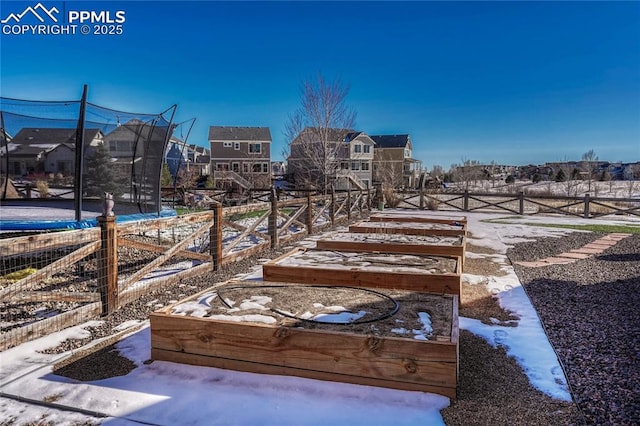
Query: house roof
[51, 136]
[136, 129]
[234, 133]
[391, 141]
[351, 136]
[342, 135]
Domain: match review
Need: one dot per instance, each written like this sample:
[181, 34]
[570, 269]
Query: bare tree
[491, 171]
[590, 160]
[632, 184]
[389, 173]
[314, 130]
[437, 171]
[569, 175]
[467, 173]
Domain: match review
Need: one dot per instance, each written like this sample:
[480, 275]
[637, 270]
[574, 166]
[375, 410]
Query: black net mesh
[121, 153]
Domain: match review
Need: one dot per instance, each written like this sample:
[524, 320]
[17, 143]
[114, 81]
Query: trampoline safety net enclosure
[75, 151]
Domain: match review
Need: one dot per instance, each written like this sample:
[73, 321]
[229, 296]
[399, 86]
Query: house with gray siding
[240, 156]
[393, 163]
[46, 150]
[347, 158]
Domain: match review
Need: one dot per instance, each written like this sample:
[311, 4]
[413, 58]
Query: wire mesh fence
[47, 282]
[75, 151]
[54, 280]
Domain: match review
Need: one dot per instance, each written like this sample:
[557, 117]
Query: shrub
[43, 188]
[390, 197]
[433, 203]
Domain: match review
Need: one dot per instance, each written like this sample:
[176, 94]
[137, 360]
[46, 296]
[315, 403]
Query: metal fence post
[108, 264]
[215, 236]
[465, 204]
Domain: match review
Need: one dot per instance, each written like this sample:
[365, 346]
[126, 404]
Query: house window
[227, 144]
[367, 149]
[64, 166]
[256, 167]
[357, 148]
[344, 165]
[265, 167]
[255, 148]
[245, 167]
[236, 146]
[235, 167]
[364, 166]
[407, 153]
[355, 166]
[222, 167]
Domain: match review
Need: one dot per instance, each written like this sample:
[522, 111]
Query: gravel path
[591, 312]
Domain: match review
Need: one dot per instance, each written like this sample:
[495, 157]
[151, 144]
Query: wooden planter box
[334, 353]
[390, 217]
[371, 270]
[409, 228]
[437, 245]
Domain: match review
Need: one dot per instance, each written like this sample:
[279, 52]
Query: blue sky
[511, 82]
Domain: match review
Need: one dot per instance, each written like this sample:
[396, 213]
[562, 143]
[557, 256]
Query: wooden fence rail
[207, 239]
[586, 206]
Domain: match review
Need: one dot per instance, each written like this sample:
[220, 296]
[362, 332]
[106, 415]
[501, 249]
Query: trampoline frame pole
[77, 204]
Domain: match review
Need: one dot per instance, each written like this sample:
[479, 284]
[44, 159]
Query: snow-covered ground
[573, 188]
[164, 393]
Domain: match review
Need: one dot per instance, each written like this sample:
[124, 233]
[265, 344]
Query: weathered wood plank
[50, 325]
[166, 255]
[253, 367]
[131, 294]
[427, 283]
[390, 229]
[164, 223]
[385, 358]
[242, 254]
[228, 211]
[48, 241]
[161, 249]
[62, 296]
[389, 247]
[246, 232]
[438, 283]
[385, 217]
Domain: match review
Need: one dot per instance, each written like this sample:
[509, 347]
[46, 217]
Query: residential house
[199, 159]
[46, 150]
[278, 168]
[344, 161]
[240, 156]
[393, 162]
[192, 158]
[137, 150]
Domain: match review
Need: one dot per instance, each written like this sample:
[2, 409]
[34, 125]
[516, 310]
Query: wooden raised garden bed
[431, 274]
[409, 228]
[390, 217]
[395, 243]
[389, 338]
